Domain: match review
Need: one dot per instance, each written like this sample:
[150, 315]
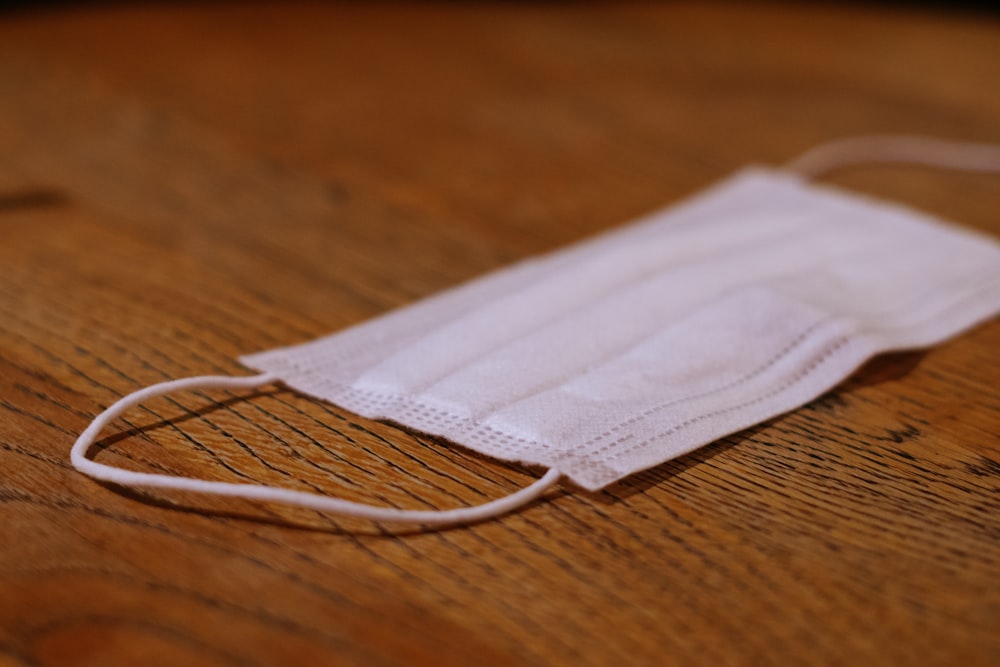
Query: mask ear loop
[961, 155]
[266, 493]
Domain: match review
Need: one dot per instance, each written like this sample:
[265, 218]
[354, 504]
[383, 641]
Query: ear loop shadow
[265, 493]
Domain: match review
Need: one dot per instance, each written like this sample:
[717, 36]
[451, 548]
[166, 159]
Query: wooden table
[181, 184]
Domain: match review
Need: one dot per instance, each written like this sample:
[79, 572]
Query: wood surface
[184, 183]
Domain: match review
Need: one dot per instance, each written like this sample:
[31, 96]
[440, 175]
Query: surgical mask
[626, 350]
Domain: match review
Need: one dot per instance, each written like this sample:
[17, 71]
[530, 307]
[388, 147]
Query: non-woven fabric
[626, 350]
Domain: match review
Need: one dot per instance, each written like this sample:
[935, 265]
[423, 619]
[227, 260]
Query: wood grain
[181, 184]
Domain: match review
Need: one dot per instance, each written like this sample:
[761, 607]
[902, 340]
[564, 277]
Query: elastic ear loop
[262, 492]
[896, 148]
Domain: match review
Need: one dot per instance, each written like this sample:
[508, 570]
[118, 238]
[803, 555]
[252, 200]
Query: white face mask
[627, 350]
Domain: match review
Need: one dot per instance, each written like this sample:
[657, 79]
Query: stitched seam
[409, 404]
[471, 427]
[830, 351]
[797, 341]
[788, 349]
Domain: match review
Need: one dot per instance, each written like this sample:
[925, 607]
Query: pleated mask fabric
[625, 351]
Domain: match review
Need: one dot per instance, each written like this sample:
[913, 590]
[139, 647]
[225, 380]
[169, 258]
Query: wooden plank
[184, 184]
